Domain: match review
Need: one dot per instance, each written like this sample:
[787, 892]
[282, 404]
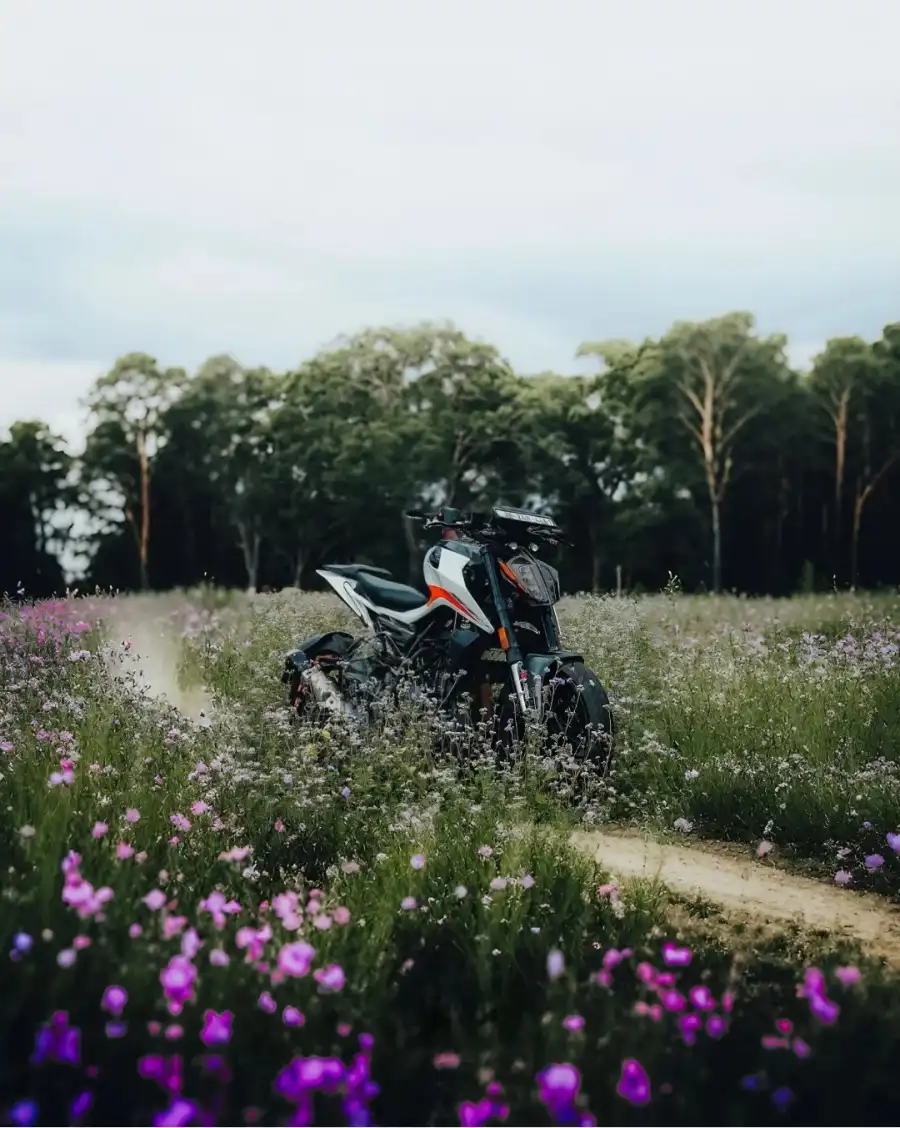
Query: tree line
[701, 454]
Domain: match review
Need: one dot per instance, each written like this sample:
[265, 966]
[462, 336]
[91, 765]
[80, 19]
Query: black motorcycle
[482, 641]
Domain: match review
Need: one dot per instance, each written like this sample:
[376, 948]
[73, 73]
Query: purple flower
[556, 964]
[114, 1000]
[24, 1113]
[843, 877]
[848, 975]
[57, 1041]
[558, 1086]
[216, 1027]
[417, 861]
[81, 1105]
[782, 1097]
[573, 1023]
[893, 841]
[716, 1026]
[702, 998]
[177, 979]
[634, 1084]
[306, 1075]
[823, 1009]
[690, 1025]
[167, 1072]
[874, 862]
[180, 1113]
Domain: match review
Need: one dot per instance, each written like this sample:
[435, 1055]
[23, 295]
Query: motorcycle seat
[388, 593]
[354, 570]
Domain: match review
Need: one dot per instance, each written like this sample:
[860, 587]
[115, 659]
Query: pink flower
[133, 814]
[295, 959]
[267, 1003]
[417, 861]
[100, 828]
[180, 822]
[216, 1027]
[279, 826]
[123, 851]
[674, 956]
[341, 915]
[235, 854]
[447, 1060]
[573, 1023]
[408, 904]
[290, 1016]
[765, 847]
[190, 943]
[154, 900]
[199, 808]
[134, 931]
[172, 925]
[322, 922]
[177, 979]
[843, 877]
[331, 978]
[219, 958]
[253, 940]
[848, 975]
[217, 905]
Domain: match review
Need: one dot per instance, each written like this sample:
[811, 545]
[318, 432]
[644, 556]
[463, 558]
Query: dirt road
[750, 887]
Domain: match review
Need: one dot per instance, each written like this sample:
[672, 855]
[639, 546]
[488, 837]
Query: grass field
[229, 919]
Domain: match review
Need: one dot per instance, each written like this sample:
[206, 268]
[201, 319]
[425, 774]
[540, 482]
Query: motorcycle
[484, 642]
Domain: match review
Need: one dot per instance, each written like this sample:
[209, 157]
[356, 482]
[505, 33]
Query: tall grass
[253, 921]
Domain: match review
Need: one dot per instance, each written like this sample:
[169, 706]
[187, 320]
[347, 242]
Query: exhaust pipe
[326, 692]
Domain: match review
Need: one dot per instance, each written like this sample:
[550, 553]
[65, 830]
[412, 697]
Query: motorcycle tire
[578, 713]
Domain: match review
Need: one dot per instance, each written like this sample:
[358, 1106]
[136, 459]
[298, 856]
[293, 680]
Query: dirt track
[750, 887]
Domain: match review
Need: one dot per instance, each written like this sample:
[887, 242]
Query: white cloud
[287, 171]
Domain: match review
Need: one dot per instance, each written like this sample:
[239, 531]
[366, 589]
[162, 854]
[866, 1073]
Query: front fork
[528, 698]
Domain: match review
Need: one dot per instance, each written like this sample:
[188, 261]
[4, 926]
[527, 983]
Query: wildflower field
[229, 918]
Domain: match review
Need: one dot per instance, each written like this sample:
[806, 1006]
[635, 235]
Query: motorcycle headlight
[538, 580]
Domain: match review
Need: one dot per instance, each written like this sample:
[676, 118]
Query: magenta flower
[331, 978]
[446, 1060]
[558, 1088]
[154, 900]
[634, 1084]
[848, 975]
[179, 1113]
[133, 815]
[290, 1016]
[123, 851]
[114, 1000]
[180, 822]
[295, 959]
[100, 828]
[716, 1026]
[178, 978]
[673, 956]
[199, 808]
[167, 1072]
[573, 1023]
[408, 904]
[172, 925]
[702, 998]
[216, 1027]
[690, 1026]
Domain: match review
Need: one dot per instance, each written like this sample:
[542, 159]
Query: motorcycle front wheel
[578, 713]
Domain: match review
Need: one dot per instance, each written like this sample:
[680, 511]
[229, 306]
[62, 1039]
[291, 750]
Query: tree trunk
[299, 561]
[840, 463]
[250, 546]
[144, 542]
[854, 544]
[715, 510]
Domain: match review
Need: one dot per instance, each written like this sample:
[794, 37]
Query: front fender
[540, 665]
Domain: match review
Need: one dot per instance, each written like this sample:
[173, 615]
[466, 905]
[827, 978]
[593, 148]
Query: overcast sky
[186, 177]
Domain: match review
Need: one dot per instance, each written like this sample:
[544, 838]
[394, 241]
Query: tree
[878, 429]
[839, 379]
[713, 377]
[129, 404]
